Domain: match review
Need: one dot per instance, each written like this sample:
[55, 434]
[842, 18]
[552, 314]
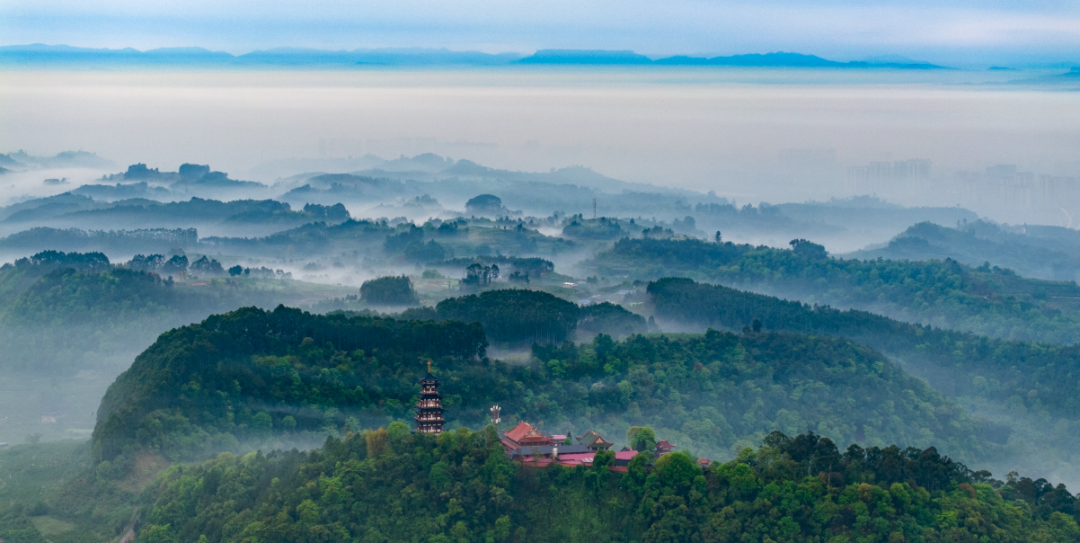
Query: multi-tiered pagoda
[429, 410]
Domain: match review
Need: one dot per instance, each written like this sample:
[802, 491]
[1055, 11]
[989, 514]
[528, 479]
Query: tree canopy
[390, 290]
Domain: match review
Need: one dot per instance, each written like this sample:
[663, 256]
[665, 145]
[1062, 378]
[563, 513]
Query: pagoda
[429, 410]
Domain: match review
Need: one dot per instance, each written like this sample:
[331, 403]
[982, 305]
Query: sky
[950, 31]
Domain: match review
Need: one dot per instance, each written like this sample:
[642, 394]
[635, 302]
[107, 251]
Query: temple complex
[526, 443]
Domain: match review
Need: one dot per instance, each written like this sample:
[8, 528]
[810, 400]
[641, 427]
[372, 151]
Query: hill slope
[1044, 252]
[396, 486]
[262, 377]
[1031, 388]
[945, 294]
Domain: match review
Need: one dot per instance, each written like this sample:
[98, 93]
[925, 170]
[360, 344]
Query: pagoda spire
[429, 409]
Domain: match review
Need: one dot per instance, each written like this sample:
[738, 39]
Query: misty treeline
[123, 241]
[83, 211]
[1032, 389]
[1039, 251]
[944, 294]
[520, 318]
[65, 311]
[391, 291]
[1038, 376]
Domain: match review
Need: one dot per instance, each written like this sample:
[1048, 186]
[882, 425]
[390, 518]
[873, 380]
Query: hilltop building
[429, 409]
[527, 444]
[594, 442]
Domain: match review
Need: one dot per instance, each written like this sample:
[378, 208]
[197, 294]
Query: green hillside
[1032, 388]
[259, 377]
[1044, 252]
[945, 294]
[396, 486]
[17, 277]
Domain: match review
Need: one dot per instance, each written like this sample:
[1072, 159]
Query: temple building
[429, 410]
[525, 443]
[594, 442]
[525, 435]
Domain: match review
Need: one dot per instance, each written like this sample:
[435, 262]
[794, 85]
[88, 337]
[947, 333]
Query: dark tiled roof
[563, 449]
[593, 439]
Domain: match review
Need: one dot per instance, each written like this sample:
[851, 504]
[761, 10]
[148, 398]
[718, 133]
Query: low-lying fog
[742, 133]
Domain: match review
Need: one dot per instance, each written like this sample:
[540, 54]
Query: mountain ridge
[60, 54]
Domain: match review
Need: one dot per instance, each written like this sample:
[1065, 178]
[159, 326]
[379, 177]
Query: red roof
[519, 431]
[625, 455]
[664, 446]
[525, 433]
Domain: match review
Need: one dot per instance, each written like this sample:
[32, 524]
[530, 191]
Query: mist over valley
[443, 295]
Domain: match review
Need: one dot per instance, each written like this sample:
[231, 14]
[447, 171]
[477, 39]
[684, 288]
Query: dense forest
[391, 485]
[194, 390]
[255, 376]
[388, 291]
[945, 294]
[608, 318]
[518, 318]
[515, 317]
[792, 421]
[1024, 382]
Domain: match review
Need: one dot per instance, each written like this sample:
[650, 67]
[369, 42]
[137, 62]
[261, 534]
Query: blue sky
[938, 31]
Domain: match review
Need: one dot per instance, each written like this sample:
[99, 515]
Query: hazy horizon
[730, 131]
[956, 32]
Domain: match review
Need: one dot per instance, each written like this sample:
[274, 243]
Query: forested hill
[382, 486]
[17, 277]
[1028, 386]
[194, 389]
[62, 312]
[259, 377]
[520, 318]
[1045, 252]
[946, 294]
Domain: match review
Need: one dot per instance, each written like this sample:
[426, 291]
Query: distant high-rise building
[999, 172]
[915, 169]
[884, 176]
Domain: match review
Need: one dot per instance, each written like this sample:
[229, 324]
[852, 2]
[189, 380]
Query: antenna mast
[594, 208]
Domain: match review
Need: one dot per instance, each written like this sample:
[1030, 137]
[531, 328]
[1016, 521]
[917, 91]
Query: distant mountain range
[65, 55]
[770, 60]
